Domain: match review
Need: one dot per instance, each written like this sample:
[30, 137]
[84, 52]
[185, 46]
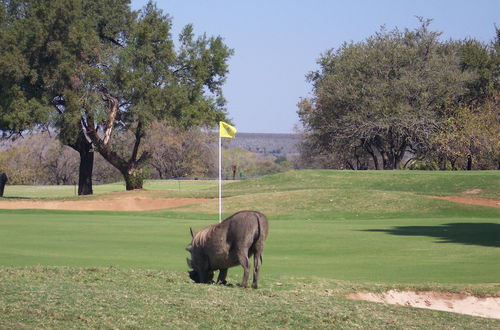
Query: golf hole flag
[226, 130]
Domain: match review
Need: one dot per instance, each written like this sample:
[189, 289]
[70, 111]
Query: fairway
[366, 250]
[369, 230]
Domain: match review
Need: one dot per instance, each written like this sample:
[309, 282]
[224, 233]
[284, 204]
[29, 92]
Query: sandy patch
[123, 203]
[473, 191]
[470, 200]
[449, 302]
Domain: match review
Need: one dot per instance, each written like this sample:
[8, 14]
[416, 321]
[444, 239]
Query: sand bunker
[449, 302]
[127, 203]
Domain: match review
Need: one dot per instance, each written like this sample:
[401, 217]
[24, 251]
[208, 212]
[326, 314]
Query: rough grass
[418, 182]
[329, 202]
[41, 297]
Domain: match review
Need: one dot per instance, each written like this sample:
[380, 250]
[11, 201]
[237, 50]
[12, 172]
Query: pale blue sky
[277, 42]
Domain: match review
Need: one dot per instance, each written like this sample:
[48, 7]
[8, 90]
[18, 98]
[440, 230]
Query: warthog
[229, 243]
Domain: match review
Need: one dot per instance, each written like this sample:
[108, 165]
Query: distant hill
[265, 143]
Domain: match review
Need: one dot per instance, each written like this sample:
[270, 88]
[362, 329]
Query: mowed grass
[420, 251]
[331, 233]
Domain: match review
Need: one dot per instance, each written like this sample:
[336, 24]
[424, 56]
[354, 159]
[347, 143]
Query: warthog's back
[246, 227]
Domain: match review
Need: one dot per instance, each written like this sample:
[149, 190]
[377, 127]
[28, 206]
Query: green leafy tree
[102, 67]
[383, 96]
[20, 107]
[471, 135]
[484, 60]
[48, 48]
[149, 79]
[468, 134]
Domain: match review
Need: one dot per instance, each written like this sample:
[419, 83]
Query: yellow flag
[226, 130]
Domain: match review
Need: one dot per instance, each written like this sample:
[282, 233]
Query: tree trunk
[399, 153]
[469, 162]
[85, 172]
[386, 161]
[397, 159]
[375, 162]
[453, 164]
[385, 154]
[3, 181]
[134, 178]
[397, 163]
[131, 168]
[369, 149]
[234, 169]
[86, 168]
[442, 164]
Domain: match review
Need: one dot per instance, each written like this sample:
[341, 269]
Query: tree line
[39, 158]
[405, 95]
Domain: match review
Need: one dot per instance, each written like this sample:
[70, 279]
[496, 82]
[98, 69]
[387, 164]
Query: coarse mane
[201, 237]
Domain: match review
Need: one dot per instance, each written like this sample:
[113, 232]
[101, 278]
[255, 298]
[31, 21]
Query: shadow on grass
[484, 234]
[16, 198]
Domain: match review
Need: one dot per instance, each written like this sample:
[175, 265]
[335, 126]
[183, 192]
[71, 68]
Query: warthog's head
[200, 276]
[200, 265]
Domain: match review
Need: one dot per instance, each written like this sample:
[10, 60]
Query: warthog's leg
[243, 259]
[222, 276]
[256, 268]
[257, 261]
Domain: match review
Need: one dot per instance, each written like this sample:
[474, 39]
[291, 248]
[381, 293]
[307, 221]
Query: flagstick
[220, 178]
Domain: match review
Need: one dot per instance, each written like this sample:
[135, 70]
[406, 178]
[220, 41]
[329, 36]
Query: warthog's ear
[191, 230]
[189, 248]
[190, 265]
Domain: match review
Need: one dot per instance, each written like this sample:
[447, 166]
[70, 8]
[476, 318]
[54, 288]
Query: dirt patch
[123, 203]
[470, 200]
[450, 302]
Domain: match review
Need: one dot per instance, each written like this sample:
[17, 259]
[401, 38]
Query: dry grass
[92, 298]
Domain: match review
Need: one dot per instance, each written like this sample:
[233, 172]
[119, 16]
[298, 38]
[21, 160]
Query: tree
[471, 135]
[314, 155]
[46, 48]
[102, 68]
[176, 152]
[37, 159]
[484, 60]
[19, 108]
[383, 96]
[40, 158]
[150, 80]
[250, 164]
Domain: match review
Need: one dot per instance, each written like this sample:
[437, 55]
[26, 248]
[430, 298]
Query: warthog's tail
[259, 230]
[258, 246]
[261, 234]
